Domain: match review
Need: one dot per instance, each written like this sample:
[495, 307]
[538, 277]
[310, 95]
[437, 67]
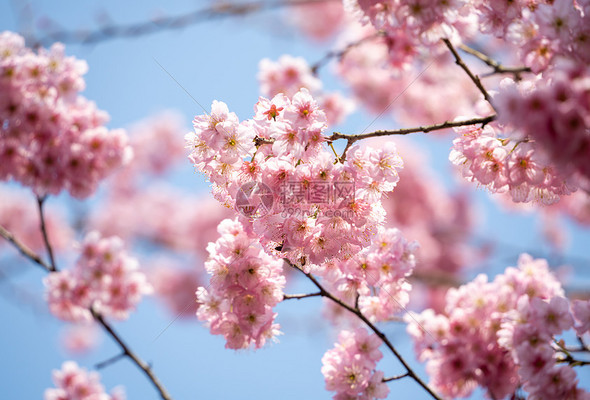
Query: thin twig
[110, 361]
[129, 353]
[496, 66]
[381, 335]
[395, 378]
[300, 296]
[341, 52]
[24, 249]
[40, 202]
[351, 139]
[474, 78]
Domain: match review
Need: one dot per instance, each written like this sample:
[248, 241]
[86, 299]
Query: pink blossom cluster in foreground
[52, 138]
[350, 368]
[104, 279]
[75, 383]
[320, 209]
[245, 285]
[499, 335]
[375, 277]
[504, 165]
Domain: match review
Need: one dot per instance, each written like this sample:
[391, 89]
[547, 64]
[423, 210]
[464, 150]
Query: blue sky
[212, 60]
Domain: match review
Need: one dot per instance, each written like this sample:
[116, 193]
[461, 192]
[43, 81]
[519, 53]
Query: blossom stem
[474, 78]
[381, 335]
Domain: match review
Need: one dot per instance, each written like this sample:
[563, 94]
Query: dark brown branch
[381, 335]
[351, 139]
[24, 249]
[110, 361]
[474, 78]
[300, 296]
[395, 378]
[129, 353]
[40, 202]
[216, 11]
[495, 65]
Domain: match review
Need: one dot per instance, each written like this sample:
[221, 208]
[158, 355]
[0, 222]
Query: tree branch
[341, 52]
[381, 335]
[496, 66]
[129, 353]
[395, 378]
[40, 202]
[404, 131]
[300, 296]
[474, 78]
[216, 11]
[24, 249]
[110, 361]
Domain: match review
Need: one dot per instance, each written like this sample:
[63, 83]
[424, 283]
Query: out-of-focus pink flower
[75, 383]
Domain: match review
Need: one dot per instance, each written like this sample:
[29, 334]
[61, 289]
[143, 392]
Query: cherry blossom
[104, 279]
[52, 138]
[75, 383]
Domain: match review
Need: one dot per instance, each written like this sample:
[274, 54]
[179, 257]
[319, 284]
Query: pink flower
[53, 137]
[349, 368]
[581, 311]
[104, 278]
[75, 383]
[245, 285]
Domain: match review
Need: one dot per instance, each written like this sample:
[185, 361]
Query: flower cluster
[558, 29]
[290, 191]
[349, 368]
[377, 70]
[75, 383]
[556, 110]
[499, 335]
[502, 166]
[245, 285]
[528, 332]
[376, 275]
[422, 22]
[104, 279]
[51, 138]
